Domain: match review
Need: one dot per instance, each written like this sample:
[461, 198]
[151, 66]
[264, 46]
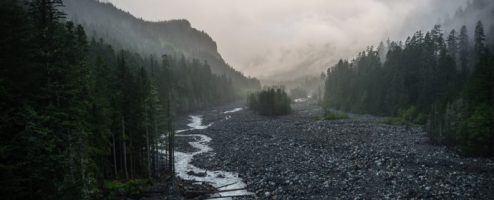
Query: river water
[220, 179]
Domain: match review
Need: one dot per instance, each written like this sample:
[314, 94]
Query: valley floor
[300, 157]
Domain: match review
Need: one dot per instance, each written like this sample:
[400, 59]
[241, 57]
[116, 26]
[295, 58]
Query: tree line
[443, 82]
[75, 111]
[272, 101]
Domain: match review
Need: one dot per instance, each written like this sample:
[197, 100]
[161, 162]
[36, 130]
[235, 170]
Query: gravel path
[300, 157]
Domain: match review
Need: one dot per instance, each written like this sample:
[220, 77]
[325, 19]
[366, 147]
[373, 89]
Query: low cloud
[266, 38]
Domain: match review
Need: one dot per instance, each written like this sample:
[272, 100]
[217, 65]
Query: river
[219, 179]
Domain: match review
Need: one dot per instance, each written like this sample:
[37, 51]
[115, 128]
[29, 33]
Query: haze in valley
[286, 39]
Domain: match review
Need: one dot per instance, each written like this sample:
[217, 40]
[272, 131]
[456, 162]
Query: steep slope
[174, 37]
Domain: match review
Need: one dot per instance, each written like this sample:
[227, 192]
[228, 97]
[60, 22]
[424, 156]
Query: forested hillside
[175, 37]
[75, 112]
[443, 80]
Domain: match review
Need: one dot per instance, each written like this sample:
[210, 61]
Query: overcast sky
[268, 37]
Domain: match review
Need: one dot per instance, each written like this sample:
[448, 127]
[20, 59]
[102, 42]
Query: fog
[288, 38]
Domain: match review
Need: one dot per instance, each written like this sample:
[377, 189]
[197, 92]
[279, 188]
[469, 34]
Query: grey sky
[268, 37]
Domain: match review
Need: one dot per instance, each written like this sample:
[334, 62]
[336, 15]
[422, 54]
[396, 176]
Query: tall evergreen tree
[479, 42]
[452, 43]
[464, 49]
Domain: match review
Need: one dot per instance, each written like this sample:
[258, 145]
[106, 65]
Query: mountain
[175, 37]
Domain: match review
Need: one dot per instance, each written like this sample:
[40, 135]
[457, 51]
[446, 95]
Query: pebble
[298, 157]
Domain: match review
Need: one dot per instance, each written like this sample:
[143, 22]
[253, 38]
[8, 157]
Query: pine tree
[479, 45]
[168, 107]
[464, 49]
[452, 43]
[124, 86]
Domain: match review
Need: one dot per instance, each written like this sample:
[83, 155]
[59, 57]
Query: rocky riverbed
[299, 156]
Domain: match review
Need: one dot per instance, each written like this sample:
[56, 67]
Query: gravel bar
[299, 156]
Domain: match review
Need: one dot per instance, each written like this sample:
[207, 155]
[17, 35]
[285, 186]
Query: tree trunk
[124, 148]
[171, 135]
[114, 155]
[131, 157]
[148, 152]
[155, 143]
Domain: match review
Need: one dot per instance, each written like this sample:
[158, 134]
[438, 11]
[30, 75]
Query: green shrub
[131, 187]
[412, 115]
[478, 132]
[407, 117]
[270, 102]
[395, 121]
[453, 120]
[334, 115]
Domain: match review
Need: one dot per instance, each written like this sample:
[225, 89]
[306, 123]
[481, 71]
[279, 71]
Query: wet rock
[297, 157]
[199, 174]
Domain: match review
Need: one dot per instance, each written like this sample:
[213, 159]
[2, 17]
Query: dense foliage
[270, 102]
[75, 112]
[444, 81]
[334, 115]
